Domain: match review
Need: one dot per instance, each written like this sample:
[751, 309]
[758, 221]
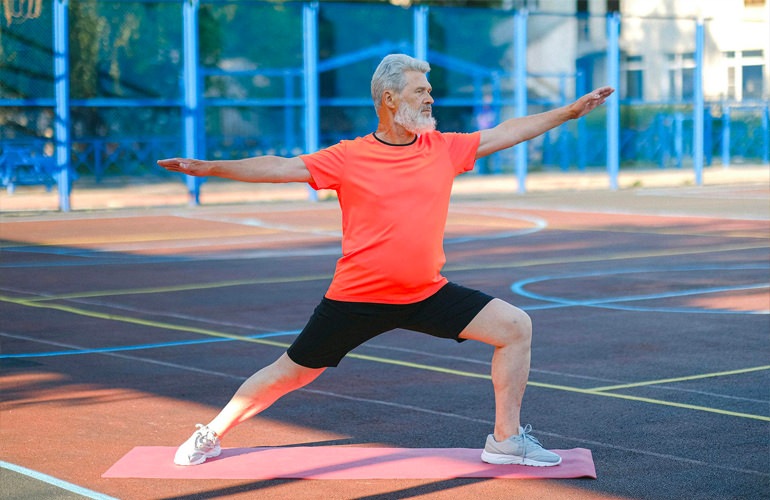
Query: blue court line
[140, 347]
[611, 302]
[59, 483]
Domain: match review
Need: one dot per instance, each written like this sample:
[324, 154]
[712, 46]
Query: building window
[681, 75]
[745, 74]
[634, 73]
[584, 24]
[752, 82]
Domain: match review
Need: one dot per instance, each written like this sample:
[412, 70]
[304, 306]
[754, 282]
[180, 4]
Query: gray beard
[413, 120]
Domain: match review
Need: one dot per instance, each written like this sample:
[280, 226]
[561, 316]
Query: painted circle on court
[625, 302]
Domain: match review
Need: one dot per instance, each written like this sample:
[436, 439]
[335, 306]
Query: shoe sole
[498, 459]
[205, 457]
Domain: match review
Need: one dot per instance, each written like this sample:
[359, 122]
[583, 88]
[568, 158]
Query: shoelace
[526, 436]
[205, 437]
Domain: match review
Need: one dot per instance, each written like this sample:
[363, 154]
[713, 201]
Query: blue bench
[26, 166]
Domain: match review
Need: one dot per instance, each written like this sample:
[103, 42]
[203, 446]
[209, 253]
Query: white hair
[389, 75]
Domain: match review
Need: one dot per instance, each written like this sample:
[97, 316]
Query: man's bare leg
[257, 393]
[509, 330]
[261, 390]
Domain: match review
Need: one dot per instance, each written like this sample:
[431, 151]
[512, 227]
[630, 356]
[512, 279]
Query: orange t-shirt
[394, 201]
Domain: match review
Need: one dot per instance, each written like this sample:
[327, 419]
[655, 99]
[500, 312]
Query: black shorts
[336, 327]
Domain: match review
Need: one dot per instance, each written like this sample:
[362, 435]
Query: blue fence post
[62, 92]
[678, 138]
[725, 135]
[708, 141]
[613, 103]
[520, 76]
[288, 113]
[192, 94]
[420, 17]
[497, 159]
[310, 81]
[766, 135]
[582, 130]
[698, 108]
[563, 130]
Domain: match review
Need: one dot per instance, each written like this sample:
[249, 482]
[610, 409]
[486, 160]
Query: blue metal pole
[496, 99]
[62, 92]
[310, 87]
[766, 135]
[678, 138]
[563, 132]
[288, 113]
[192, 121]
[581, 125]
[613, 103]
[725, 135]
[699, 106]
[421, 32]
[520, 76]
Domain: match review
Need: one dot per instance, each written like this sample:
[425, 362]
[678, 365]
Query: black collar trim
[397, 145]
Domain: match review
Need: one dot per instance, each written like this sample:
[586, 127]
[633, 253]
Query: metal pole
[520, 76]
[582, 139]
[725, 135]
[310, 87]
[192, 121]
[766, 135]
[698, 108]
[613, 103]
[563, 132]
[62, 92]
[421, 32]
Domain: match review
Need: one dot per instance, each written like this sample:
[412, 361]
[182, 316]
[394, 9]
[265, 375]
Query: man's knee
[291, 375]
[518, 326]
[500, 324]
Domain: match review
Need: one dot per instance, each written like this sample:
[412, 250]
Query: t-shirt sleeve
[462, 148]
[326, 166]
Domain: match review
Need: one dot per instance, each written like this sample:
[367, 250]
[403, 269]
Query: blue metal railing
[696, 129]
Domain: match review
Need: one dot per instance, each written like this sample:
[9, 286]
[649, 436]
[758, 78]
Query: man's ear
[389, 100]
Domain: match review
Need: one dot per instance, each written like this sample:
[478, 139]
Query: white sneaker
[202, 445]
[522, 449]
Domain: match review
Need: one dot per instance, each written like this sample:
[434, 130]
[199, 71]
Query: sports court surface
[122, 329]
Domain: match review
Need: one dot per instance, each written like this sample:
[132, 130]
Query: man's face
[414, 111]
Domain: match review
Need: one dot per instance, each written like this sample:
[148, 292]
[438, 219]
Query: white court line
[420, 409]
[131, 248]
[59, 483]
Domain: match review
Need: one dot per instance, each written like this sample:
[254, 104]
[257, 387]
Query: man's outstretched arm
[257, 169]
[517, 130]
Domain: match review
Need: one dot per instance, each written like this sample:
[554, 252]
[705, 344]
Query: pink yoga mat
[343, 462]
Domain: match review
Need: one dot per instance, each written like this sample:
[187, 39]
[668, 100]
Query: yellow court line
[665, 232]
[562, 387]
[142, 322]
[178, 288]
[214, 333]
[520, 264]
[81, 242]
[681, 379]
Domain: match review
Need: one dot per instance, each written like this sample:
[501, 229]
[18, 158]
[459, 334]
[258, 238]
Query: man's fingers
[176, 164]
[603, 92]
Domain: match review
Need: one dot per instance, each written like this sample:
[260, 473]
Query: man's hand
[517, 130]
[589, 102]
[189, 166]
[257, 169]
